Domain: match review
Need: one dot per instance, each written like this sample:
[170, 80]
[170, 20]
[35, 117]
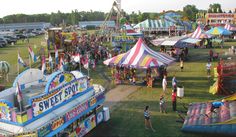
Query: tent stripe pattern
[229, 27]
[140, 56]
[197, 33]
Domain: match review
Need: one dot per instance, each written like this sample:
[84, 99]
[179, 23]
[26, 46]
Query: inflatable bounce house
[61, 104]
[223, 122]
[225, 78]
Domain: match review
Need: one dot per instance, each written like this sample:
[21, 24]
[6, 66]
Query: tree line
[74, 17]
[189, 13]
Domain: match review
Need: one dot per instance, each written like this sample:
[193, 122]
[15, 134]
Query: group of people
[162, 102]
[90, 48]
[126, 75]
[123, 75]
[173, 95]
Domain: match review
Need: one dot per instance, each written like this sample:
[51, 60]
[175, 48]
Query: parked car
[30, 34]
[21, 36]
[10, 39]
[4, 40]
[2, 43]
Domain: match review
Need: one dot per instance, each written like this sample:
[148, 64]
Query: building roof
[172, 14]
[20, 26]
[84, 24]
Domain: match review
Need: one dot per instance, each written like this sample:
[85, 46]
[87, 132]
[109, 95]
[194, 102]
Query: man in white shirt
[164, 84]
[208, 67]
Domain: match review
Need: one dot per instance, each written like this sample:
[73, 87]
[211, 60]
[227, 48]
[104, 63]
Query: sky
[9, 7]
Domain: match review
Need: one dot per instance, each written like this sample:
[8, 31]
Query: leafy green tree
[215, 8]
[133, 18]
[140, 16]
[153, 16]
[189, 12]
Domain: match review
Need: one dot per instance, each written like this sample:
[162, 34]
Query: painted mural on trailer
[58, 81]
[84, 126]
[5, 110]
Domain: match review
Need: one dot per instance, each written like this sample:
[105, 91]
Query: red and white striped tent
[140, 56]
[230, 27]
[199, 34]
[130, 30]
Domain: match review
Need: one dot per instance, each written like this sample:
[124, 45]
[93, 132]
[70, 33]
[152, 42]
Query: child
[162, 104]
[147, 120]
[216, 105]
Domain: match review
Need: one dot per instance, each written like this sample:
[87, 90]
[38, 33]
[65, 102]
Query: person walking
[162, 104]
[181, 65]
[164, 84]
[173, 98]
[147, 119]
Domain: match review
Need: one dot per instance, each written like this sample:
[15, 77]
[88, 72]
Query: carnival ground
[127, 115]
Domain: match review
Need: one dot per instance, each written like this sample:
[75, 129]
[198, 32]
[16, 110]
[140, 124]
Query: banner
[61, 94]
[57, 123]
[221, 15]
[76, 111]
[125, 39]
[82, 129]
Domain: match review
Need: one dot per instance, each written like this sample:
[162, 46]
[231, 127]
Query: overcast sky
[8, 7]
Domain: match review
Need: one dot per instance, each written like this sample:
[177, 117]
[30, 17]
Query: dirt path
[118, 94]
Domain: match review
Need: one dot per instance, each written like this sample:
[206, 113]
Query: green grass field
[127, 117]
[38, 44]
[9, 54]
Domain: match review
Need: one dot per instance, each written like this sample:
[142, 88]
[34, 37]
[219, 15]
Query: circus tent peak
[140, 56]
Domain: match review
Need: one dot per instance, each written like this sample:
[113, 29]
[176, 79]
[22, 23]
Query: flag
[34, 58]
[20, 61]
[50, 60]
[43, 64]
[76, 57]
[86, 62]
[61, 64]
[94, 64]
[56, 55]
[19, 93]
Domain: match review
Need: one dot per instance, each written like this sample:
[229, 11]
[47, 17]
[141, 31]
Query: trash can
[180, 91]
[106, 113]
